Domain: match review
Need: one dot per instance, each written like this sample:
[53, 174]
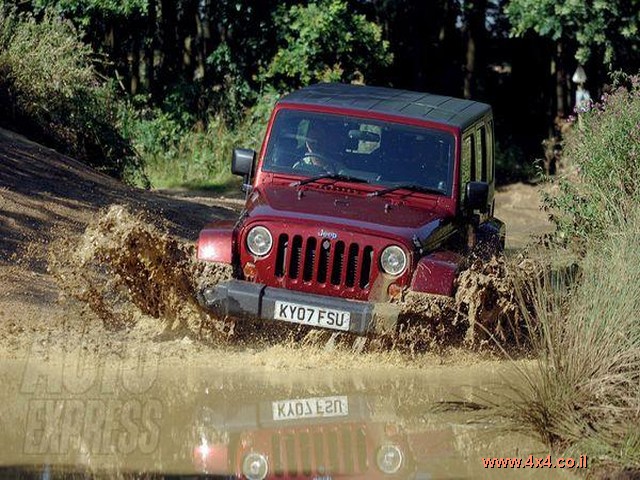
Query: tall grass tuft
[583, 396]
[584, 393]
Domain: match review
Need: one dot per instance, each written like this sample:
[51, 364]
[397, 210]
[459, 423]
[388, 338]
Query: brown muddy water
[72, 414]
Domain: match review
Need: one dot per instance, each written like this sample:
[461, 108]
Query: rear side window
[490, 151]
[466, 164]
[481, 154]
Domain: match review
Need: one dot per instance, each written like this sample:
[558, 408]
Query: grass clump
[584, 393]
[49, 90]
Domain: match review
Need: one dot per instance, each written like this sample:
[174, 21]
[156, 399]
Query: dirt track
[48, 200]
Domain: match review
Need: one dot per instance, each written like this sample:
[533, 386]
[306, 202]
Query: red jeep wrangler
[358, 194]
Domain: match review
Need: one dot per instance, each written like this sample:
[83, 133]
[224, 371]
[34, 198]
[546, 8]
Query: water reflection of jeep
[358, 194]
[316, 438]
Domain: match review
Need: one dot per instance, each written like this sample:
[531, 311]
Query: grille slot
[296, 256]
[281, 255]
[277, 456]
[324, 261]
[309, 259]
[338, 262]
[306, 452]
[365, 271]
[352, 265]
[361, 447]
[323, 264]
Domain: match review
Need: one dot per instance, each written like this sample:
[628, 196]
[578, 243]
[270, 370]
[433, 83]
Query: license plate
[317, 407]
[314, 316]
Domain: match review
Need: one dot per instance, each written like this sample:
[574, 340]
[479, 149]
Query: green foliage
[237, 90]
[509, 163]
[603, 187]
[84, 11]
[583, 394]
[40, 56]
[325, 41]
[607, 26]
[177, 155]
[49, 89]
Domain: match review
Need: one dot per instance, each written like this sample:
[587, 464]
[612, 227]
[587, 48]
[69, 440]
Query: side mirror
[477, 196]
[242, 161]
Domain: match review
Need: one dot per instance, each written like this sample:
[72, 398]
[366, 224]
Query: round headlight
[255, 466]
[259, 241]
[393, 260]
[389, 459]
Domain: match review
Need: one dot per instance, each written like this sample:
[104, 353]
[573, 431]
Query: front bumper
[241, 299]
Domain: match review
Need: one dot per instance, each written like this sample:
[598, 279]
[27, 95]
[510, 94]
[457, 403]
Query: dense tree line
[203, 56]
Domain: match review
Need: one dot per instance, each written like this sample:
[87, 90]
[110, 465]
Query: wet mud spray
[126, 265]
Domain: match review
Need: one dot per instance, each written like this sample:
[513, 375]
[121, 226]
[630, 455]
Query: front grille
[337, 450]
[324, 261]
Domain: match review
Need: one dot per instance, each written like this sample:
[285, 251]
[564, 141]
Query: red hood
[327, 206]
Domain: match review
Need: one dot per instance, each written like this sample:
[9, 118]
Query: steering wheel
[324, 163]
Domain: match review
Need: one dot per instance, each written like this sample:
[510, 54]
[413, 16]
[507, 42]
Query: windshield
[381, 153]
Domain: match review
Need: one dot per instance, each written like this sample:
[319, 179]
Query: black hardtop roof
[451, 111]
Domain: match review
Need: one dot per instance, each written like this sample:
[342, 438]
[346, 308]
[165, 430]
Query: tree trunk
[170, 58]
[560, 81]
[189, 31]
[470, 67]
[199, 47]
[134, 71]
[150, 45]
[475, 35]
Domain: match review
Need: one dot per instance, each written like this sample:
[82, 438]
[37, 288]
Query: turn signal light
[250, 271]
[394, 291]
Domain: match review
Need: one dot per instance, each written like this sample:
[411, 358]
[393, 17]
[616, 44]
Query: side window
[490, 153]
[472, 158]
[465, 164]
[481, 154]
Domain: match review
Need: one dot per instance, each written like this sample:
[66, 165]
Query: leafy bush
[604, 156]
[583, 396]
[49, 90]
[325, 41]
[197, 156]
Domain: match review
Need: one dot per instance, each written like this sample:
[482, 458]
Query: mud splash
[126, 266]
[490, 299]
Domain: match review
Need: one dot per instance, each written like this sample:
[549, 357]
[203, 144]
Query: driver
[317, 154]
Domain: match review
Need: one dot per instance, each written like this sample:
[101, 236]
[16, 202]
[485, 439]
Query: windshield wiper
[407, 186]
[331, 176]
